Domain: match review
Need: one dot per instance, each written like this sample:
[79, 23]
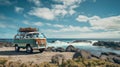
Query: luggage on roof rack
[29, 29]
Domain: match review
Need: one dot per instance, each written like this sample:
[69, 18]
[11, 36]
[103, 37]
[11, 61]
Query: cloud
[44, 13]
[70, 28]
[108, 23]
[5, 2]
[94, 1]
[26, 22]
[48, 24]
[33, 23]
[19, 9]
[69, 2]
[58, 25]
[80, 34]
[109, 34]
[75, 28]
[68, 6]
[57, 10]
[94, 18]
[82, 18]
[38, 23]
[55, 25]
[36, 2]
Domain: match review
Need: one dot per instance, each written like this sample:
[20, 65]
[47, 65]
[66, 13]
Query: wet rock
[111, 57]
[95, 56]
[58, 59]
[71, 48]
[103, 57]
[110, 54]
[76, 41]
[60, 49]
[50, 49]
[83, 54]
[116, 60]
[108, 44]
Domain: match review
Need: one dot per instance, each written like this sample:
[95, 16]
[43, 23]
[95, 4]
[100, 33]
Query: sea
[81, 43]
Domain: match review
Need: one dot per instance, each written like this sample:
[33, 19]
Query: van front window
[35, 35]
[41, 36]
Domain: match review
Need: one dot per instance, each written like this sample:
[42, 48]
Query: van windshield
[35, 35]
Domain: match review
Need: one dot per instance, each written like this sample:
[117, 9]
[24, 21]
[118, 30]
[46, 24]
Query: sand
[36, 57]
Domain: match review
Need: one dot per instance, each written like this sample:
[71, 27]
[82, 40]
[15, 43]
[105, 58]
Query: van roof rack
[28, 29]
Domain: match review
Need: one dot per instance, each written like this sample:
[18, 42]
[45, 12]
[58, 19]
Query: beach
[8, 52]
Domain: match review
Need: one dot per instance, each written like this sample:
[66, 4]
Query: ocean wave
[58, 43]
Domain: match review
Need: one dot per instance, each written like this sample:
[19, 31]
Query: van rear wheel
[29, 49]
[17, 49]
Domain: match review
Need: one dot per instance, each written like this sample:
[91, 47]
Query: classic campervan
[29, 39]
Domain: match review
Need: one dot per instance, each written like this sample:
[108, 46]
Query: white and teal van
[30, 41]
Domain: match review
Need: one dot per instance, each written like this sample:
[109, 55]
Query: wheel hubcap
[28, 49]
[16, 47]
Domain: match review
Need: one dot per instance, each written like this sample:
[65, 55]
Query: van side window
[29, 36]
[17, 37]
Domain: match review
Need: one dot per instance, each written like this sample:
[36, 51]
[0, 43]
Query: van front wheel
[29, 49]
[17, 49]
[41, 50]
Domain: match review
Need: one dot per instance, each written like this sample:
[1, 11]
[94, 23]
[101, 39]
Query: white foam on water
[61, 43]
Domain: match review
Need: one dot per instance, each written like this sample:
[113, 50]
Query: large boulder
[83, 54]
[95, 56]
[116, 60]
[60, 49]
[103, 57]
[110, 44]
[111, 57]
[71, 48]
[109, 54]
[58, 59]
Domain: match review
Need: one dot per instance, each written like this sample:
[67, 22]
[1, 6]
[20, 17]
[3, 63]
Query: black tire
[17, 49]
[29, 49]
[41, 50]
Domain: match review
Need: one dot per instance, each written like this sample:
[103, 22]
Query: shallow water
[85, 46]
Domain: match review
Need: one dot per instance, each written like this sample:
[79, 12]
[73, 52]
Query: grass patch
[79, 62]
[3, 60]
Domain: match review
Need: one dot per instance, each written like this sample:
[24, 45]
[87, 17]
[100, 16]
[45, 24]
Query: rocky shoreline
[108, 56]
[108, 44]
[5, 44]
[61, 56]
[56, 57]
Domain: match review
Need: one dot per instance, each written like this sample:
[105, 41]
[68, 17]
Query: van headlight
[36, 42]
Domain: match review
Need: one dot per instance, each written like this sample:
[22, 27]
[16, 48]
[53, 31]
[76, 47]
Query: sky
[61, 18]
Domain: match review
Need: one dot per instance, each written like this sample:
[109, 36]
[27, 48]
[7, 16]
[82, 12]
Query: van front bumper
[40, 47]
